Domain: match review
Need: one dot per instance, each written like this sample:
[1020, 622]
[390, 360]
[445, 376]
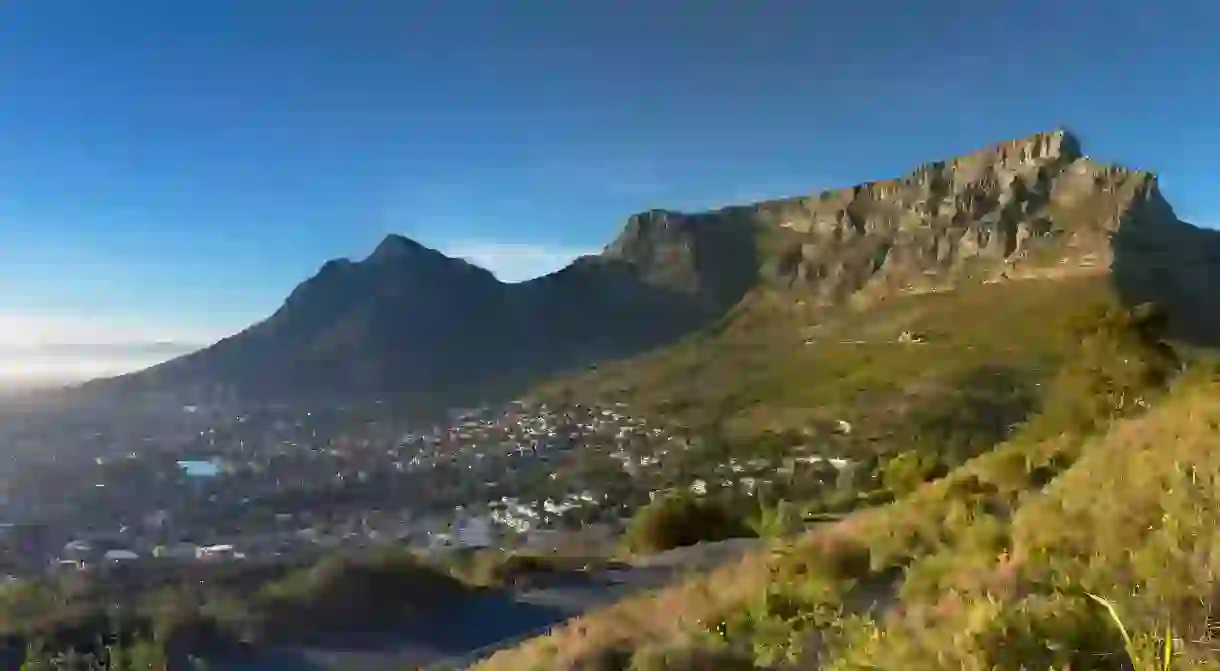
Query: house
[176, 551]
[70, 564]
[119, 555]
[77, 550]
[215, 552]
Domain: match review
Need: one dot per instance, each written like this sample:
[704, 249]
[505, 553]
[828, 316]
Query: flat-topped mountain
[410, 319]
[1034, 206]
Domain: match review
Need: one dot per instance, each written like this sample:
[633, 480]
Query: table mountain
[409, 318]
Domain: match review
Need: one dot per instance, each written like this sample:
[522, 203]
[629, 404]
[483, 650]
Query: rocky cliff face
[1031, 207]
[408, 318]
[710, 258]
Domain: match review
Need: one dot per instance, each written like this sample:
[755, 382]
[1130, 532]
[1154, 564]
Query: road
[460, 634]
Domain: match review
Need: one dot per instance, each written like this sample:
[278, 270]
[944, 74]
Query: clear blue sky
[173, 169]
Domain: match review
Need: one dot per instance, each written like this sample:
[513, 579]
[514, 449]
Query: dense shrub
[680, 519]
[342, 594]
[691, 658]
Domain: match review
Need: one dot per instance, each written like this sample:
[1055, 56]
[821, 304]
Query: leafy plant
[680, 519]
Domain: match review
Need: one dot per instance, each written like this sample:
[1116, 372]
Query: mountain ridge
[410, 318]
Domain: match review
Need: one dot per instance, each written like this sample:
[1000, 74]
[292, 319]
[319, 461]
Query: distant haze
[59, 364]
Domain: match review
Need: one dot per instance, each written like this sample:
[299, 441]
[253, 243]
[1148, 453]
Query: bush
[494, 568]
[905, 472]
[1121, 364]
[678, 520]
[690, 658]
[341, 594]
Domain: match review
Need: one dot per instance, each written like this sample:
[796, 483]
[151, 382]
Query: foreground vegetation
[120, 622]
[1098, 507]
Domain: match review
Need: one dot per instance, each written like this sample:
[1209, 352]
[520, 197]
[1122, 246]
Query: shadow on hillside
[490, 344]
[1176, 266]
[975, 410]
[453, 630]
[597, 309]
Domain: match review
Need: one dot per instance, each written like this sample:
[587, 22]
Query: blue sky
[170, 170]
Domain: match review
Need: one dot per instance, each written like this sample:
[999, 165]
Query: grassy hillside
[1107, 487]
[775, 364]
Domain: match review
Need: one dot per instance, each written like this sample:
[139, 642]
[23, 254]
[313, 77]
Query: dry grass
[665, 616]
[1132, 520]
[996, 558]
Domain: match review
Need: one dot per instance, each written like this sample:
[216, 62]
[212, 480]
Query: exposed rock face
[710, 258]
[1005, 210]
[1032, 207]
[409, 318]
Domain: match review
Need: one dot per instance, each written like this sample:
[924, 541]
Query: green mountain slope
[778, 366]
[1108, 489]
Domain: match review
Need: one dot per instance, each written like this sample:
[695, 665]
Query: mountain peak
[395, 246]
[1059, 146]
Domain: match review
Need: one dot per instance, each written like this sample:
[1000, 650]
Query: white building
[215, 552]
[116, 556]
[177, 551]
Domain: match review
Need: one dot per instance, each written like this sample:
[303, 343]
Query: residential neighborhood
[274, 483]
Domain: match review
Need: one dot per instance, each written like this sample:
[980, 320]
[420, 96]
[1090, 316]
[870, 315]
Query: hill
[409, 319]
[1107, 489]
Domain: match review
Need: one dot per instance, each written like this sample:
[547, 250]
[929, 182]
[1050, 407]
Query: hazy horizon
[60, 364]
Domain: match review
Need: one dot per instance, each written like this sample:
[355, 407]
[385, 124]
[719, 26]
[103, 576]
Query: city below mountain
[408, 319]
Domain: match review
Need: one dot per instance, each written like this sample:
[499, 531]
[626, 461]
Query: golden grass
[1132, 519]
[664, 616]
